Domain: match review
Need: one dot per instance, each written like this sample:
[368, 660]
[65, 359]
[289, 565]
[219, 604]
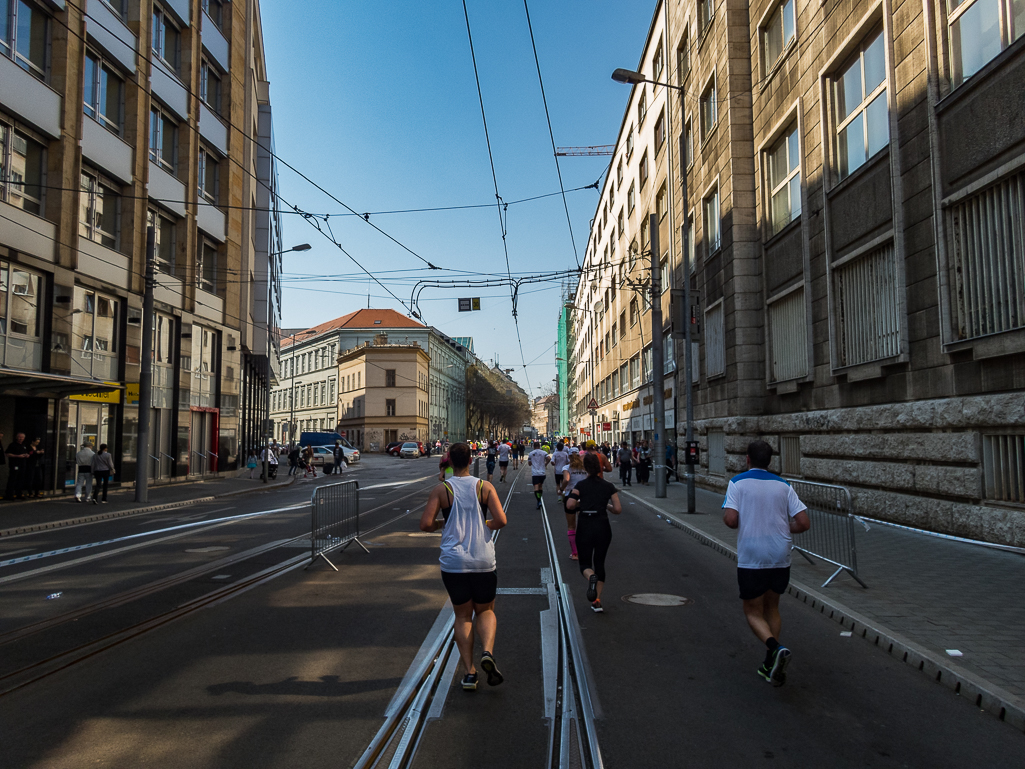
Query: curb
[985, 694]
[135, 511]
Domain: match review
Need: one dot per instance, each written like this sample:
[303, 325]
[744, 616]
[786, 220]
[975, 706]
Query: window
[165, 241]
[662, 202]
[24, 35]
[712, 223]
[389, 377]
[99, 210]
[215, 10]
[619, 220]
[389, 407]
[788, 336]
[619, 173]
[615, 384]
[784, 167]
[210, 86]
[631, 198]
[21, 170]
[867, 321]
[688, 143]
[778, 33]
[163, 140]
[607, 342]
[102, 92]
[634, 312]
[615, 336]
[642, 168]
[206, 271]
[20, 317]
[668, 353]
[1003, 467]
[630, 143]
[635, 371]
[715, 341]
[646, 358]
[166, 39]
[683, 60]
[706, 12]
[664, 273]
[709, 109]
[622, 325]
[645, 233]
[208, 169]
[119, 7]
[979, 30]
[862, 117]
[642, 106]
[658, 62]
[716, 452]
[660, 130]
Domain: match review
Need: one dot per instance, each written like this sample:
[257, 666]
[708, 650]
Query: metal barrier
[831, 536]
[335, 520]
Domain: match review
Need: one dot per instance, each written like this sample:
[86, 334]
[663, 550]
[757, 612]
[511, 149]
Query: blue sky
[376, 102]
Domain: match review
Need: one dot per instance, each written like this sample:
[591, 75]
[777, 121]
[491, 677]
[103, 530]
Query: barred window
[790, 454]
[715, 341]
[867, 322]
[788, 337]
[716, 452]
[1003, 465]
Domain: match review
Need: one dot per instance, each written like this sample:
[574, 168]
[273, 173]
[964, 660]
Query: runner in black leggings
[591, 498]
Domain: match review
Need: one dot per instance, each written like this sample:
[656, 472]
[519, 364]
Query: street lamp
[270, 302]
[631, 77]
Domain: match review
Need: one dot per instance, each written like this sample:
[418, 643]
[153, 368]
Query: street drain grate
[657, 599]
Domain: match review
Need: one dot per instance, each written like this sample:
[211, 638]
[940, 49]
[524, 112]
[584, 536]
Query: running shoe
[780, 660]
[487, 662]
[592, 588]
[596, 607]
[470, 682]
[765, 671]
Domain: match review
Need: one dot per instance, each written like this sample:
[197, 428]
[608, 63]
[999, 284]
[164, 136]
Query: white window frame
[206, 276]
[708, 118]
[95, 105]
[711, 246]
[206, 157]
[156, 149]
[9, 45]
[776, 17]
[706, 15]
[90, 228]
[857, 58]
[208, 71]
[1008, 32]
[14, 189]
[160, 20]
[790, 137]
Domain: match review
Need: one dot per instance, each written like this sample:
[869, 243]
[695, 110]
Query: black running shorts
[755, 583]
[477, 586]
[538, 480]
[503, 464]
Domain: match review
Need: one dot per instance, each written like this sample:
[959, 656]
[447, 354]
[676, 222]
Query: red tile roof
[375, 319]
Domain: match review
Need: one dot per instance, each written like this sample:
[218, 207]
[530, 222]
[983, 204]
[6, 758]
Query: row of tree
[493, 408]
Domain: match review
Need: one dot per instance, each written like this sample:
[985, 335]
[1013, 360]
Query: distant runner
[591, 497]
[503, 459]
[492, 458]
[571, 476]
[559, 461]
[468, 566]
[767, 511]
[538, 469]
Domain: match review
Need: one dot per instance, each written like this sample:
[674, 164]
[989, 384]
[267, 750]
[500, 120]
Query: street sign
[606, 426]
[469, 304]
[593, 405]
[693, 453]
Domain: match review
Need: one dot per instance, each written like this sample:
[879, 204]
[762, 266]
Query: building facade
[117, 117]
[856, 205]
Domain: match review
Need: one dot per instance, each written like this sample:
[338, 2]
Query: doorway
[204, 442]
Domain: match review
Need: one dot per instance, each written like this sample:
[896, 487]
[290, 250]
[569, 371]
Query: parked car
[322, 439]
[351, 455]
[393, 448]
[409, 450]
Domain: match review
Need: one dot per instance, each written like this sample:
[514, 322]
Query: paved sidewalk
[53, 512]
[935, 593]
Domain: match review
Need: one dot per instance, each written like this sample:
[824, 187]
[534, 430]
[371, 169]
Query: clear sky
[377, 103]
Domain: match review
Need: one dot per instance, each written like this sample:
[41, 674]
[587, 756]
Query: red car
[393, 448]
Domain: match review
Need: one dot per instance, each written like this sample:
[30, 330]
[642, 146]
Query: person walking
[572, 474]
[293, 460]
[103, 468]
[270, 456]
[252, 463]
[35, 468]
[84, 476]
[307, 460]
[643, 463]
[560, 458]
[504, 449]
[339, 457]
[468, 567]
[625, 458]
[538, 470]
[492, 458]
[591, 499]
[766, 511]
[17, 455]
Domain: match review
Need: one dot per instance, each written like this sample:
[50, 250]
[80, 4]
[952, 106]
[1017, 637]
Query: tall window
[683, 60]
[22, 168]
[646, 359]
[642, 168]
[630, 143]
[688, 143]
[165, 241]
[163, 139]
[662, 202]
[658, 62]
[389, 407]
[20, 317]
[635, 371]
[706, 12]
[709, 109]
[166, 39]
[862, 117]
[715, 341]
[660, 130]
[979, 30]
[206, 270]
[99, 209]
[784, 166]
[778, 33]
[664, 273]
[624, 381]
[94, 344]
[210, 86]
[634, 312]
[24, 34]
[389, 377]
[619, 172]
[713, 227]
[631, 198]
[668, 353]
[215, 10]
[103, 92]
[208, 170]
[642, 106]
[204, 366]
[645, 233]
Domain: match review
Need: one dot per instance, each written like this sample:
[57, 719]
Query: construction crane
[599, 149]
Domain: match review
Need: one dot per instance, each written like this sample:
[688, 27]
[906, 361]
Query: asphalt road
[300, 671]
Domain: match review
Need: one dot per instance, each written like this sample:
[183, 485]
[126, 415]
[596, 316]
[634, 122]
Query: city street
[301, 670]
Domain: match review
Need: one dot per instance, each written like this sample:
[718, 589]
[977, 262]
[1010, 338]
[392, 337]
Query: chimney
[380, 339]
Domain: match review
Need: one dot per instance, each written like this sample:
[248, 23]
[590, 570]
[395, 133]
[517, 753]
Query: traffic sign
[469, 304]
[593, 405]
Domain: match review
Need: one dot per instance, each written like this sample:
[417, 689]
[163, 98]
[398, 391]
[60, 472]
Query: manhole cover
[657, 599]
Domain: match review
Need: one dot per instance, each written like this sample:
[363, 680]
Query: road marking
[211, 549]
[397, 483]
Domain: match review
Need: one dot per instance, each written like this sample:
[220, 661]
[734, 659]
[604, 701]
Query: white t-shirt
[766, 504]
[560, 459]
[537, 462]
[503, 452]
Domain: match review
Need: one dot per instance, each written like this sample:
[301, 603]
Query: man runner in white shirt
[503, 459]
[766, 510]
[560, 458]
[538, 469]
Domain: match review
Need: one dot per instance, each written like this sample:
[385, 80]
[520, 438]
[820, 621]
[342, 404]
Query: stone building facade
[860, 282]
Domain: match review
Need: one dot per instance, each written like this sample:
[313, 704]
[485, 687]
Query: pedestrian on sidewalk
[339, 457]
[17, 456]
[766, 511]
[270, 456]
[84, 476]
[102, 467]
[591, 498]
[293, 460]
[573, 473]
[468, 567]
[643, 463]
[252, 463]
[625, 457]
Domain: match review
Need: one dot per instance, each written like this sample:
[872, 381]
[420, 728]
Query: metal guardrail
[831, 536]
[335, 520]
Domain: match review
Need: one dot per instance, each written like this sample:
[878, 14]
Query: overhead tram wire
[551, 135]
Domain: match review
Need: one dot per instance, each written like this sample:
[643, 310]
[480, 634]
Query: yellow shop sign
[107, 396]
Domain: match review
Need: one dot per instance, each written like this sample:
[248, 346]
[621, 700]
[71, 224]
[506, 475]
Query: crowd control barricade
[335, 520]
[831, 536]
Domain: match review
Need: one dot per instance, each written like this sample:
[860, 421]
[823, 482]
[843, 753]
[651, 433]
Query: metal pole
[658, 403]
[688, 385]
[145, 373]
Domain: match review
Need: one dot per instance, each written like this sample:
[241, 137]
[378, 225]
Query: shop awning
[34, 384]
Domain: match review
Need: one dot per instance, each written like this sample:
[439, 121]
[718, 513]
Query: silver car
[328, 452]
[409, 451]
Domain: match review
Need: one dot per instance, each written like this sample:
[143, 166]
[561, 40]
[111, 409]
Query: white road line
[397, 483]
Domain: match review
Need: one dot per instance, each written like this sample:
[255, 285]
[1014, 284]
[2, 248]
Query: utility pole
[658, 401]
[145, 373]
[688, 385]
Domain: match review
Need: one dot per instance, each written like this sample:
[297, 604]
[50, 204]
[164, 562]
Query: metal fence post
[831, 536]
[335, 520]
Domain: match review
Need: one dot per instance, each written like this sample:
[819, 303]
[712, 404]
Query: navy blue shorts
[755, 583]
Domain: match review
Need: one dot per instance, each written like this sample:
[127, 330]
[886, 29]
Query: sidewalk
[53, 512]
[925, 595]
